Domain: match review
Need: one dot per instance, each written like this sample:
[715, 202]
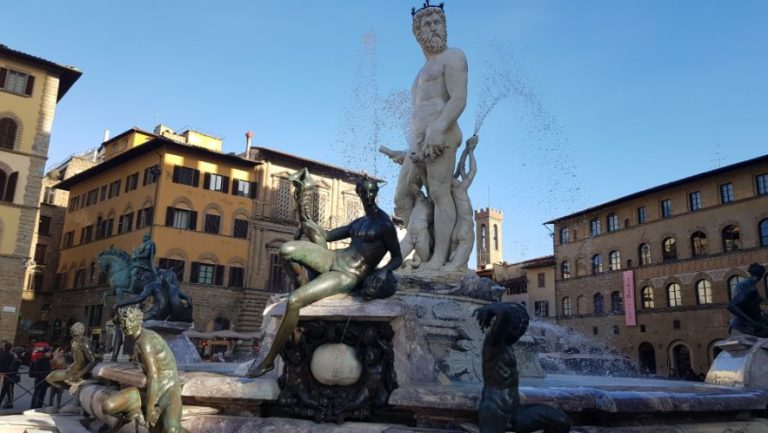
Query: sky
[597, 98]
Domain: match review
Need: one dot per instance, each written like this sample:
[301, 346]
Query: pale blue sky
[617, 96]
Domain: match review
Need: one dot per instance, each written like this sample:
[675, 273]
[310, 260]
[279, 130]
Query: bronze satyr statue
[748, 318]
[500, 406]
[83, 362]
[339, 271]
[162, 405]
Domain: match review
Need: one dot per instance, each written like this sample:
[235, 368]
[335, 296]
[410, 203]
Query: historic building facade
[531, 283]
[218, 220]
[651, 273]
[488, 241]
[30, 88]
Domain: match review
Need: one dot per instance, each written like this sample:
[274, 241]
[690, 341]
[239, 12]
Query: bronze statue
[143, 262]
[748, 318]
[168, 302]
[340, 271]
[162, 404]
[303, 187]
[83, 362]
[500, 406]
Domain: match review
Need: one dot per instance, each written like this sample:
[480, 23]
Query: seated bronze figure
[339, 271]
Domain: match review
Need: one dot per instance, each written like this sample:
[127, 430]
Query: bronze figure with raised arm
[371, 236]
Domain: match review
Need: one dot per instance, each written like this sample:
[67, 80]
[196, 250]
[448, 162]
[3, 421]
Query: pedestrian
[39, 370]
[58, 362]
[9, 366]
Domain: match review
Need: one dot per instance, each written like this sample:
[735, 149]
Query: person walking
[9, 367]
[38, 370]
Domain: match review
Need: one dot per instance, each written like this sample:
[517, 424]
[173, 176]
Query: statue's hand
[485, 316]
[472, 142]
[433, 145]
[153, 416]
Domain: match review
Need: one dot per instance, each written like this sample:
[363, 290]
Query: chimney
[106, 136]
[248, 137]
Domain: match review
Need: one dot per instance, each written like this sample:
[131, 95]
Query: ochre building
[651, 273]
[30, 88]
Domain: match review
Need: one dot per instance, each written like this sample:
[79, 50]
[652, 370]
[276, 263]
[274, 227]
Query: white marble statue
[439, 95]
[463, 236]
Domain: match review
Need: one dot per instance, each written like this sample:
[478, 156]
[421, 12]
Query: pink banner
[630, 318]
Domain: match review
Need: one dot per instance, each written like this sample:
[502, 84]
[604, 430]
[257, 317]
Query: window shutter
[30, 85]
[176, 170]
[196, 179]
[195, 272]
[254, 189]
[169, 216]
[179, 268]
[219, 277]
[193, 220]
[3, 74]
[129, 222]
[225, 184]
[127, 182]
[150, 215]
[207, 181]
[234, 186]
[10, 190]
[146, 173]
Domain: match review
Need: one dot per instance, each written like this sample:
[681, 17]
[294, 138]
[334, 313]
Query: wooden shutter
[10, 190]
[30, 85]
[146, 173]
[3, 75]
[196, 179]
[176, 171]
[254, 189]
[218, 277]
[235, 186]
[169, 216]
[225, 184]
[193, 220]
[195, 272]
[207, 181]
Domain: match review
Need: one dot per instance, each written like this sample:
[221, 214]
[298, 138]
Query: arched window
[733, 282]
[763, 229]
[581, 305]
[614, 261]
[647, 294]
[483, 237]
[644, 254]
[647, 357]
[669, 249]
[730, 238]
[565, 236]
[495, 237]
[597, 264]
[704, 292]
[565, 270]
[566, 306]
[598, 304]
[8, 129]
[617, 303]
[699, 244]
[674, 295]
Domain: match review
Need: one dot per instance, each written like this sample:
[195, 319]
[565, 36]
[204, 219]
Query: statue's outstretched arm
[152, 371]
[148, 289]
[338, 234]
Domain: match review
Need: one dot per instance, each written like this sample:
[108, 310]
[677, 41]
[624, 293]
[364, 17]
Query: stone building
[488, 237]
[530, 282]
[30, 88]
[218, 219]
[651, 273]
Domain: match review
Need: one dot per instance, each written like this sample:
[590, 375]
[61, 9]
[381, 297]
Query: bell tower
[489, 244]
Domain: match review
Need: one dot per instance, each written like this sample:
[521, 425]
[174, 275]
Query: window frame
[594, 227]
[694, 201]
[704, 286]
[726, 193]
[666, 208]
[642, 215]
[612, 222]
[761, 184]
[678, 295]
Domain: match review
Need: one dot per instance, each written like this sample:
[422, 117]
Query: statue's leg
[491, 418]
[171, 417]
[404, 198]
[535, 417]
[125, 405]
[304, 253]
[439, 174]
[56, 379]
[327, 284]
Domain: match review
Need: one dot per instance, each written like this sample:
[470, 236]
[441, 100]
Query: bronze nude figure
[748, 318]
[371, 236]
[500, 406]
[83, 362]
[162, 405]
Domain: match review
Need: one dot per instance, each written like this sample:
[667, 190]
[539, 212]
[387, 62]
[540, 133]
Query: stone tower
[489, 242]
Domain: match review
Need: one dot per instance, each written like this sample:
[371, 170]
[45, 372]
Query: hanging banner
[630, 318]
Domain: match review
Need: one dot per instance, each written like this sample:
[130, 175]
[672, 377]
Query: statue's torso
[367, 246]
[79, 360]
[429, 92]
[163, 357]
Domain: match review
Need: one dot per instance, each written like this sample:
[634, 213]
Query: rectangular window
[666, 208]
[540, 278]
[726, 193]
[212, 223]
[177, 266]
[44, 225]
[541, 308]
[676, 324]
[236, 276]
[186, 176]
[114, 188]
[50, 195]
[642, 218]
[203, 273]
[244, 188]
[694, 201]
[216, 182]
[68, 239]
[151, 174]
[144, 217]
[241, 229]
[40, 254]
[276, 275]
[103, 193]
[594, 227]
[16, 82]
[86, 234]
[613, 222]
[92, 197]
[132, 182]
[74, 203]
[105, 230]
[181, 218]
[61, 280]
[125, 224]
[762, 183]
[80, 278]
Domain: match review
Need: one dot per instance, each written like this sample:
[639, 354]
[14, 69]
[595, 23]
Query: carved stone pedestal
[173, 334]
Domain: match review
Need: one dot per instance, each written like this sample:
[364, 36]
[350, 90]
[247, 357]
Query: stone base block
[173, 334]
[743, 362]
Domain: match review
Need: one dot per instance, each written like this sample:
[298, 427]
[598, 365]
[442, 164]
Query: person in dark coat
[9, 367]
[39, 370]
